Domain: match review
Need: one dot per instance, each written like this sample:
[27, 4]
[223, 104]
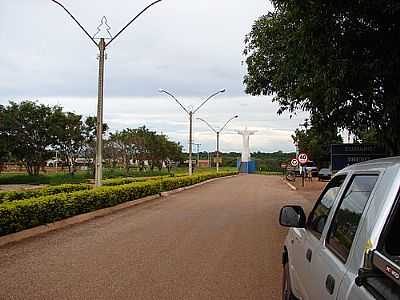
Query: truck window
[345, 222]
[319, 215]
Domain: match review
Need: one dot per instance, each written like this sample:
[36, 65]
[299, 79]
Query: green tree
[123, 143]
[339, 60]
[70, 138]
[142, 145]
[316, 142]
[89, 140]
[31, 131]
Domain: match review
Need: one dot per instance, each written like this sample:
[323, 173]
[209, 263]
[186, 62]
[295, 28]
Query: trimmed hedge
[128, 180]
[69, 188]
[22, 214]
[52, 190]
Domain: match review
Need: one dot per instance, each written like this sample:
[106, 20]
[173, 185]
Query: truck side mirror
[292, 216]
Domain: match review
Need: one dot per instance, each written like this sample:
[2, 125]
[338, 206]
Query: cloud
[162, 114]
[189, 47]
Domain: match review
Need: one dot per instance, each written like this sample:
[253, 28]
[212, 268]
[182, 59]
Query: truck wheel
[286, 290]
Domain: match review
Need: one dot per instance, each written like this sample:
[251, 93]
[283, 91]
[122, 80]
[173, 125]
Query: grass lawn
[84, 176]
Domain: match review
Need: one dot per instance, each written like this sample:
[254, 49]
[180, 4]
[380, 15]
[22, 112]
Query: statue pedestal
[247, 167]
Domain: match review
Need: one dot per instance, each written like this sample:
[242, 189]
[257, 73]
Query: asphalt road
[217, 241]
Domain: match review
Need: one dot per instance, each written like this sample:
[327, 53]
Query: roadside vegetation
[337, 60]
[53, 204]
[65, 178]
[31, 134]
[87, 177]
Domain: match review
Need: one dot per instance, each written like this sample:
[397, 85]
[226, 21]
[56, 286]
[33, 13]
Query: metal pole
[191, 113]
[99, 140]
[217, 151]
[190, 142]
[102, 45]
[198, 155]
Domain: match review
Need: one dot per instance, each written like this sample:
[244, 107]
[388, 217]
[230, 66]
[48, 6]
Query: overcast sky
[190, 48]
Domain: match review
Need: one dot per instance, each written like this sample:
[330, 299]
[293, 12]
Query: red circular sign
[303, 158]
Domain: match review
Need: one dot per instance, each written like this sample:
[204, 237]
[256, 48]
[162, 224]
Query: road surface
[217, 241]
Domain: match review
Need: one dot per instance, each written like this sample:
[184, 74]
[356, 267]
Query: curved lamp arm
[208, 124]
[204, 102]
[228, 122]
[76, 21]
[173, 97]
[131, 21]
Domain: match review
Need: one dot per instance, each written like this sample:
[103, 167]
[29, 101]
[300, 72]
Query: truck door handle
[330, 284]
[309, 255]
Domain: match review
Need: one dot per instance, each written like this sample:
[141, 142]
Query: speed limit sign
[303, 158]
[294, 162]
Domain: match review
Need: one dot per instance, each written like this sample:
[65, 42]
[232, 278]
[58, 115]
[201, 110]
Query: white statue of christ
[246, 143]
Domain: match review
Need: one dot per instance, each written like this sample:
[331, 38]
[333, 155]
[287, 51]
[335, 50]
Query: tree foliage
[142, 145]
[31, 131]
[339, 60]
[316, 142]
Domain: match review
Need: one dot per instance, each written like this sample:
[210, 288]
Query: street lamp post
[191, 113]
[198, 154]
[101, 45]
[217, 132]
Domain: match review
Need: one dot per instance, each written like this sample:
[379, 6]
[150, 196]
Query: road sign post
[292, 172]
[294, 162]
[284, 167]
[303, 158]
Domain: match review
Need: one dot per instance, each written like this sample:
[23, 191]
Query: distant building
[204, 163]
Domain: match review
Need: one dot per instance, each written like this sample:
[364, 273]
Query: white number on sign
[303, 158]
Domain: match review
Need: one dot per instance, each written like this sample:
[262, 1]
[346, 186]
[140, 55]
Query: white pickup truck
[348, 248]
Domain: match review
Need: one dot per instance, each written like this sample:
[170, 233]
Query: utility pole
[99, 120]
[191, 113]
[217, 132]
[101, 45]
[190, 142]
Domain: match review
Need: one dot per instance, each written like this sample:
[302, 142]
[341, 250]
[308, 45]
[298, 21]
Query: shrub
[128, 180]
[52, 190]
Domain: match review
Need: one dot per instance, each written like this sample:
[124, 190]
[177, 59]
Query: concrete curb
[290, 185]
[42, 229]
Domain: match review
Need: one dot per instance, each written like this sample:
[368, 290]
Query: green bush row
[68, 188]
[22, 214]
[128, 180]
[52, 190]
